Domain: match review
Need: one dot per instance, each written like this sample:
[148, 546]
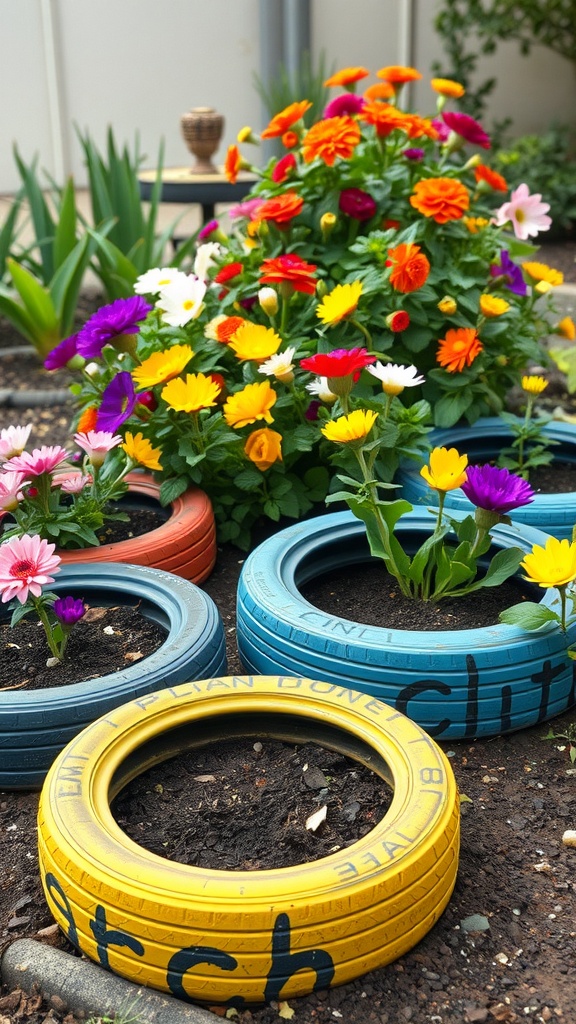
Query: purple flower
[496, 490]
[69, 610]
[512, 274]
[348, 103]
[206, 231]
[111, 322]
[249, 302]
[413, 154]
[117, 404]
[467, 128]
[61, 354]
[357, 204]
[312, 410]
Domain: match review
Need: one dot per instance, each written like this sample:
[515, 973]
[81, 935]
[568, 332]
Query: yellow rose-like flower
[446, 469]
[448, 305]
[162, 366]
[553, 565]
[566, 328]
[353, 427]
[542, 272]
[252, 403]
[475, 224]
[255, 341]
[139, 449]
[339, 303]
[263, 448]
[196, 392]
[534, 385]
[491, 305]
[447, 87]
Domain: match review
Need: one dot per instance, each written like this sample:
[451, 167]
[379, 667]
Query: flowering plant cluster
[26, 564]
[375, 233]
[64, 497]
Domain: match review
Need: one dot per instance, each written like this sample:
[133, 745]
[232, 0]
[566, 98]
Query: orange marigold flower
[281, 209]
[566, 328]
[410, 267]
[447, 87]
[385, 118]
[222, 328]
[290, 269]
[347, 76]
[334, 137]
[398, 73]
[458, 349]
[492, 178]
[379, 91]
[281, 122]
[443, 199]
[87, 420]
[417, 126]
[232, 164]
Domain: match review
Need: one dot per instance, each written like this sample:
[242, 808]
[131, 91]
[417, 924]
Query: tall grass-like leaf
[8, 232]
[65, 236]
[42, 219]
[39, 306]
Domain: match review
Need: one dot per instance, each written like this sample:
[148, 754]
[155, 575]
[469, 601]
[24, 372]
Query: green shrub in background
[307, 82]
[545, 162]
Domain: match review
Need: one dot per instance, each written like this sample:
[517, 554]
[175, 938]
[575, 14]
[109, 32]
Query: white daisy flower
[319, 388]
[153, 281]
[182, 301]
[280, 365]
[205, 258]
[394, 377]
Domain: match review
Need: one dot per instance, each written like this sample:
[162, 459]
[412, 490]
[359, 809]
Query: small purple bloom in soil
[117, 404]
[120, 317]
[496, 490]
[61, 354]
[69, 610]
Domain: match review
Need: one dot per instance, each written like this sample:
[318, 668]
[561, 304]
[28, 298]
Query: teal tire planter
[36, 724]
[554, 514]
[456, 685]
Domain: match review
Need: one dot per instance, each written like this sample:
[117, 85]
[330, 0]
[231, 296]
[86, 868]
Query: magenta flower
[496, 490]
[207, 229]
[526, 213]
[442, 129]
[11, 490]
[69, 610]
[349, 103]
[511, 273]
[97, 444]
[117, 403]
[25, 565]
[110, 323]
[467, 128]
[62, 354]
[356, 203]
[41, 460]
[414, 154]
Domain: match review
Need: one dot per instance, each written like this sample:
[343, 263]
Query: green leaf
[503, 565]
[19, 612]
[528, 615]
[172, 488]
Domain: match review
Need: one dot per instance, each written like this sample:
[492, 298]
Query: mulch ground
[515, 872]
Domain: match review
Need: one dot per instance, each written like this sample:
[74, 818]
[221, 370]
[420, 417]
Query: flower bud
[268, 299]
[247, 135]
[542, 287]
[398, 321]
[473, 161]
[321, 289]
[327, 225]
[448, 305]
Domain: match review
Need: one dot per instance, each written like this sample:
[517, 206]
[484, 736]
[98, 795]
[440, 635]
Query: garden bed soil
[505, 947]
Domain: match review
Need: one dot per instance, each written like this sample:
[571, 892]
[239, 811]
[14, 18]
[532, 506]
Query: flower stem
[41, 613]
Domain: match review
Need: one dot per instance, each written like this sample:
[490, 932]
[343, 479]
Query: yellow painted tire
[248, 936]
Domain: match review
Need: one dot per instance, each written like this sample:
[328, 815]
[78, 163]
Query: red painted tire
[184, 545]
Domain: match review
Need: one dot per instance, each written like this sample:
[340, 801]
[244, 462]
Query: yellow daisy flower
[533, 385]
[252, 403]
[553, 565]
[339, 303]
[254, 341]
[542, 272]
[491, 305]
[162, 366]
[354, 427]
[446, 469]
[196, 392]
[139, 449]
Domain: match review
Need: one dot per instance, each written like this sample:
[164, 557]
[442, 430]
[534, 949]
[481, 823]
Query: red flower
[228, 272]
[290, 269]
[398, 321]
[342, 362]
[281, 209]
[284, 168]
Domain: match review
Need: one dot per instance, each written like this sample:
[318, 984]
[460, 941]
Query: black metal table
[179, 185]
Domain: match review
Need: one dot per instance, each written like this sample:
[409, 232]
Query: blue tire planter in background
[482, 441]
[458, 684]
[36, 724]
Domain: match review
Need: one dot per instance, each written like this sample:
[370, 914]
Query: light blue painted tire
[554, 514]
[460, 684]
[36, 724]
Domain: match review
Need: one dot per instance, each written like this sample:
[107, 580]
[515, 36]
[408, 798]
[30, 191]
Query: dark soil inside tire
[105, 640]
[246, 805]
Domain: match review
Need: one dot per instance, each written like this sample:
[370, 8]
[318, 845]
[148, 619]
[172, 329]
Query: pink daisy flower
[41, 460]
[526, 212]
[13, 441]
[97, 444]
[25, 566]
[10, 490]
[73, 482]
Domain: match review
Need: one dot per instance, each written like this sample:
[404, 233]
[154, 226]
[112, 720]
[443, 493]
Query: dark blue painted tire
[554, 514]
[459, 684]
[36, 724]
